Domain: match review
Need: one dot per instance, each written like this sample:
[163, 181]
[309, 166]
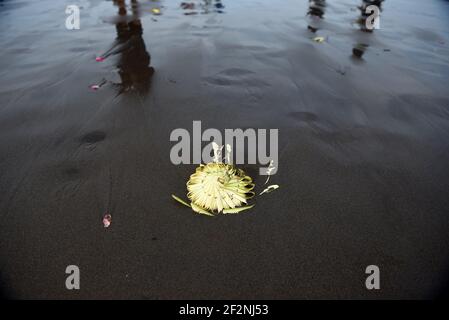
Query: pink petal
[107, 219]
[99, 59]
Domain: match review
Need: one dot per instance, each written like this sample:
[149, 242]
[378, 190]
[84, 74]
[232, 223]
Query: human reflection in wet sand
[363, 15]
[134, 60]
[207, 6]
[213, 6]
[316, 13]
[359, 49]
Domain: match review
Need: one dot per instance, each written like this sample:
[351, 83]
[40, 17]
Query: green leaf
[180, 200]
[201, 210]
[237, 210]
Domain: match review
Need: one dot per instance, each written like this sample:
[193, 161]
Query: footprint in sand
[304, 116]
[93, 137]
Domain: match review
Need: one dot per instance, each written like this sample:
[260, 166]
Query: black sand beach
[363, 149]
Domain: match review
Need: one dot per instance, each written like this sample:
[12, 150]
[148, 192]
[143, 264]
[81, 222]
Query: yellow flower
[218, 188]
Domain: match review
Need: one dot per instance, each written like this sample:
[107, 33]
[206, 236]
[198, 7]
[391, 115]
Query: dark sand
[363, 144]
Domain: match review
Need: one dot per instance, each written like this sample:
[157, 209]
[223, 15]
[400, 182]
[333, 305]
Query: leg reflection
[359, 49]
[316, 13]
[134, 61]
[364, 15]
[205, 7]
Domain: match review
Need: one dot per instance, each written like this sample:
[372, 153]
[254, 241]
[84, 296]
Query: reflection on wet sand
[363, 150]
[134, 60]
[316, 13]
[359, 49]
[213, 6]
[364, 15]
[203, 7]
[317, 8]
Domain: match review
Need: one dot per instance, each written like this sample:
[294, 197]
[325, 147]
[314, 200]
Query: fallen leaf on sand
[180, 200]
[156, 11]
[319, 39]
[237, 210]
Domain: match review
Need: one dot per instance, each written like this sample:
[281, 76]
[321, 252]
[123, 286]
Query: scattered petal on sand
[100, 59]
[319, 39]
[156, 11]
[95, 87]
[269, 189]
[107, 219]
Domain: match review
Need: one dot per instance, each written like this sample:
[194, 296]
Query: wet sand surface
[363, 149]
